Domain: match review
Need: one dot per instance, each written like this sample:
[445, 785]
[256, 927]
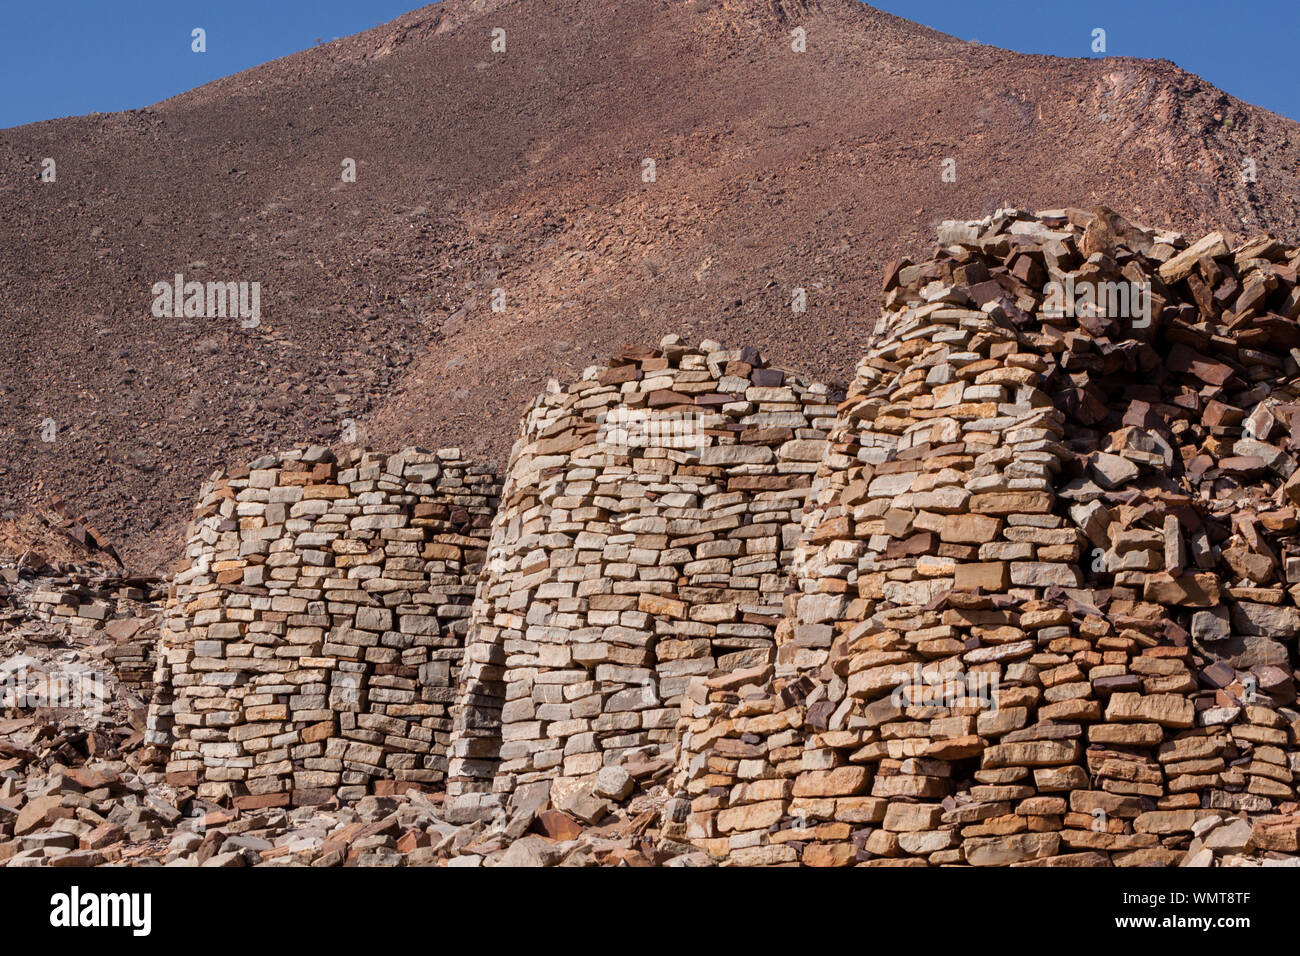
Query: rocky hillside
[523, 171]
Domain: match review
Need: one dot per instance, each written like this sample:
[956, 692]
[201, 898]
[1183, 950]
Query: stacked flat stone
[313, 636]
[1042, 612]
[646, 531]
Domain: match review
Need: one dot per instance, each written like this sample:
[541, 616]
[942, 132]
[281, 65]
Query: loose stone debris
[78, 638]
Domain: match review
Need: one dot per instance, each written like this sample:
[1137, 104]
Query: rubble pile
[119, 610]
[646, 530]
[1048, 577]
[77, 637]
[312, 639]
[69, 796]
[72, 797]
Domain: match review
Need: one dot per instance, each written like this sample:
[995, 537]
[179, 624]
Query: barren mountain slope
[523, 171]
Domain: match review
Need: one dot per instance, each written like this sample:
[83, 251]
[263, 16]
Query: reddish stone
[768, 377]
[620, 374]
[664, 397]
[260, 801]
[1185, 360]
[559, 826]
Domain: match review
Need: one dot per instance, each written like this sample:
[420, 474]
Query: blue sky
[68, 57]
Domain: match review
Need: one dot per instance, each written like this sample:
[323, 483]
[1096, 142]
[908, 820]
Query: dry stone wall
[1046, 593]
[311, 643]
[646, 530]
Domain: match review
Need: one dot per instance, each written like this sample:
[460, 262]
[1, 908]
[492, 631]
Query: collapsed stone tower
[311, 643]
[1047, 581]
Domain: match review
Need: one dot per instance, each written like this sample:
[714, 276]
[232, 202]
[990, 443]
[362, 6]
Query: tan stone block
[989, 576]
[842, 781]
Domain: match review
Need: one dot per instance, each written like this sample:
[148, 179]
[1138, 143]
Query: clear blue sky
[67, 57]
